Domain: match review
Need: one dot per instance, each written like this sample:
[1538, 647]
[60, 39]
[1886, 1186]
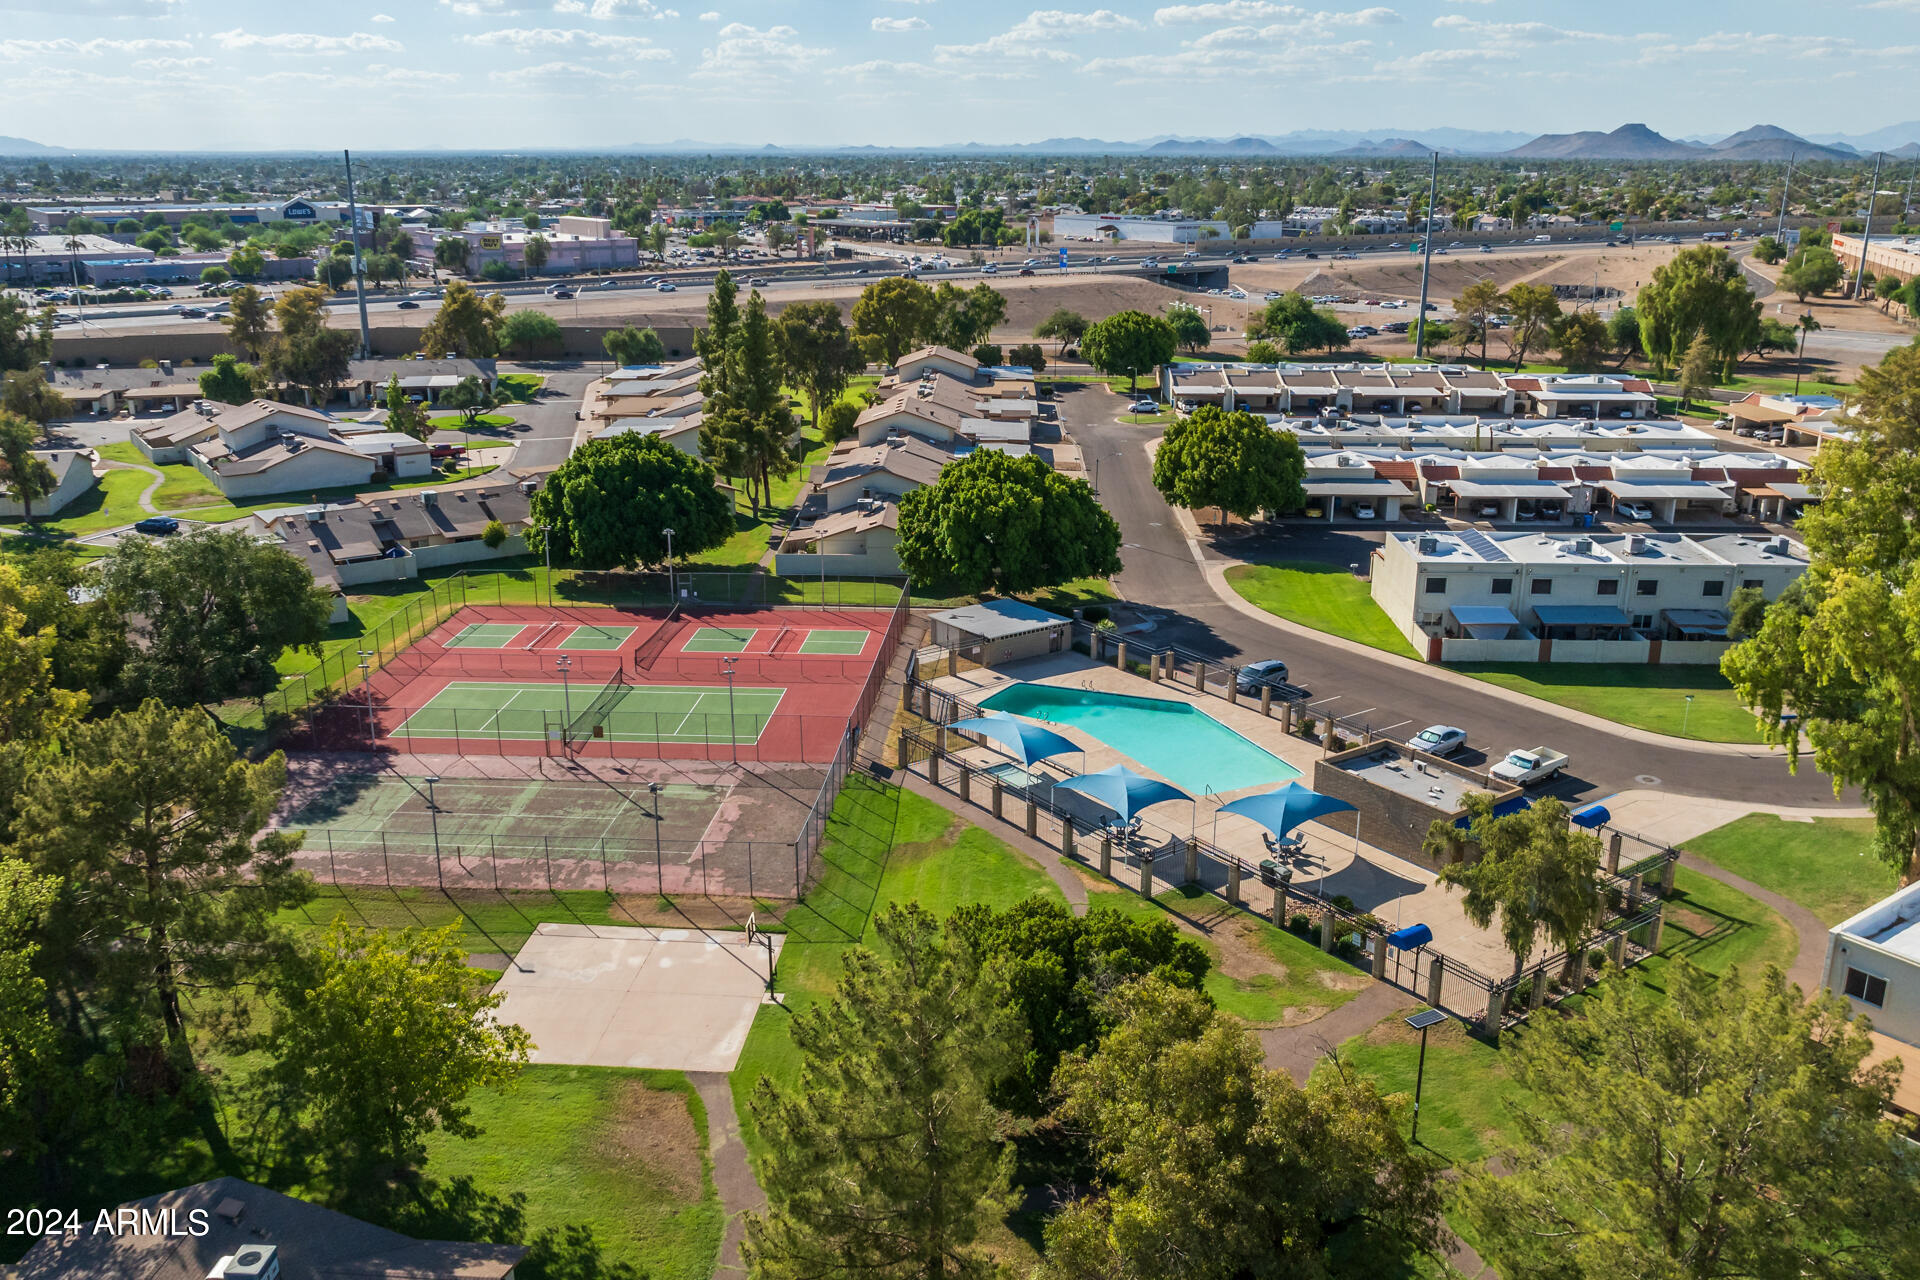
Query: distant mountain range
[1761, 143]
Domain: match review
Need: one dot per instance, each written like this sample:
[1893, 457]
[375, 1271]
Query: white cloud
[605, 10]
[382, 17]
[64, 46]
[569, 71]
[527, 39]
[1508, 33]
[172, 64]
[711, 15]
[741, 52]
[307, 42]
[1033, 35]
[481, 8]
[900, 24]
[1204, 60]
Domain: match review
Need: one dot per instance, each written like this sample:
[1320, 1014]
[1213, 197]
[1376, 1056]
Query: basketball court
[610, 996]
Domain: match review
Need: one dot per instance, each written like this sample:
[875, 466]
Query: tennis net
[596, 713]
[648, 651]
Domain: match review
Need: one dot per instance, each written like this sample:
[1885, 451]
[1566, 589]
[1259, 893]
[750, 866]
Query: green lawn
[234, 511]
[1469, 1084]
[883, 845]
[519, 387]
[491, 423]
[1827, 865]
[1647, 697]
[620, 1153]
[183, 486]
[1300, 974]
[113, 502]
[1325, 597]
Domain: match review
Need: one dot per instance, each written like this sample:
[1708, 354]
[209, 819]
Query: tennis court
[640, 713]
[597, 639]
[719, 640]
[485, 635]
[838, 642]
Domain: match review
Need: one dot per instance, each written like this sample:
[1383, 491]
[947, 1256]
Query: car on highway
[561, 295]
[1031, 262]
[1439, 739]
[406, 304]
[1486, 248]
[665, 286]
[1397, 326]
[1255, 676]
[158, 526]
[426, 293]
[1634, 511]
[608, 283]
[758, 282]
[192, 313]
[1026, 271]
[989, 270]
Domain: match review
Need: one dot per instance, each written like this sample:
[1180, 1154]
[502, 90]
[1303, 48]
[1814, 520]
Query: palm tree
[1806, 326]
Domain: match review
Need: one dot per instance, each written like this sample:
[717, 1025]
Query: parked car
[758, 282]
[1634, 510]
[1363, 511]
[1530, 766]
[1256, 676]
[1488, 511]
[159, 526]
[1439, 739]
[1143, 406]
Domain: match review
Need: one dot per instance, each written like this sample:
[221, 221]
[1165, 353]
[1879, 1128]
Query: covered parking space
[1506, 495]
[1667, 498]
[1348, 496]
[1759, 415]
[1581, 622]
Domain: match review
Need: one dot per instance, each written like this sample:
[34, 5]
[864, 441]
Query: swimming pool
[1185, 746]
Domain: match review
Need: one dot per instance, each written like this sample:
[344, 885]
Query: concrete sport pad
[615, 996]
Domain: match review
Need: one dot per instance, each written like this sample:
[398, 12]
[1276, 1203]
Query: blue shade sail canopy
[1026, 742]
[1281, 810]
[1592, 817]
[1411, 937]
[1123, 791]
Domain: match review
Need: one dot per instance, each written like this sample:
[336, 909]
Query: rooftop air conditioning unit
[528, 487]
[429, 497]
[1634, 544]
[290, 440]
[1583, 546]
[1778, 545]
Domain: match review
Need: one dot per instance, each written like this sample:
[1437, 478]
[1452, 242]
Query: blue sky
[387, 74]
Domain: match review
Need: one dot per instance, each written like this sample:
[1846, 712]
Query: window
[1712, 588]
[1609, 586]
[1503, 586]
[1647, 587]
[1436, 586]
[1866, 988]
[1642, 621]
[1541, 586]
[1750, 582]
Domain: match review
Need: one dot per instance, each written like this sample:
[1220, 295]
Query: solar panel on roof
[1480, 544]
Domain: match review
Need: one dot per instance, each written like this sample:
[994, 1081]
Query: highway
[1394, 696]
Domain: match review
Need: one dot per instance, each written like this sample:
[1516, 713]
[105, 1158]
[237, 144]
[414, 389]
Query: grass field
[183, 487]
[620, 1153]
[1647, 697]
[1322, 596]
[113, 502]
[1827, 865]
[234, 511]
[519, 388]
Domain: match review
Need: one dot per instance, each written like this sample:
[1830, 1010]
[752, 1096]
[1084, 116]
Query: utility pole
[1906, 205]
[359, 263]
[1426, 262]
[1780, 228]
[1866, 236]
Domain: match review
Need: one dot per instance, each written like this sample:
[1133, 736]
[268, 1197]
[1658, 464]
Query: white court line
[496, 712]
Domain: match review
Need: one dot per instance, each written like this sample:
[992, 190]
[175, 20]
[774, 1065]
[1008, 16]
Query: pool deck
[1396, 891]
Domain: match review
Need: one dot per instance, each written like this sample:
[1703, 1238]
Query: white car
[665, 286]
[1363, 511]
[989, 270]
[1439, 739]
[1143, 406]
[1271, 294]
[1635, 510]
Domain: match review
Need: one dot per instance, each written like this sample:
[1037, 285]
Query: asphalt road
[551, 417]
[1160, 573]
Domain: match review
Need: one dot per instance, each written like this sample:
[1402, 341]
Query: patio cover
[1701, 624]
[1282, 810]
[1546, 489]
[1490, 619]
[1580, 615]
[1123, 791]
[1025, 742]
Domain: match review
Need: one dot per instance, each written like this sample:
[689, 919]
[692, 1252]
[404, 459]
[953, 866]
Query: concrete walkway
[733, 1178]
[146, 495]
[1295, 1050]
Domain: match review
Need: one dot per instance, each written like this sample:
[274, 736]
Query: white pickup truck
[1525, 767]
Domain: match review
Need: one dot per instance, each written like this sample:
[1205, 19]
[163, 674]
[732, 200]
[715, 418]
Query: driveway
[551, 415]
[1160, 572]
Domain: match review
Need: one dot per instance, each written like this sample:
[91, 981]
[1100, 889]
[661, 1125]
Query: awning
[1685, 490]
[1703, 624]
[1484, 621]
[1580, 615]
[1414, 935]
[1025, 742]
[1348, 488]
[1512, 804]
[1592, 817]
[1539, 490]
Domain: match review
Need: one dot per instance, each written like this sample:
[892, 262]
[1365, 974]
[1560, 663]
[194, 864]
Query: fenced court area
[653, 714]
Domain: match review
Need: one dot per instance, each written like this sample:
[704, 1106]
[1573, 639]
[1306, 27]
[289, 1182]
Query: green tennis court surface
[644, 713]
[845, 644]
[485, 635]
[719, 640]
[597, 638]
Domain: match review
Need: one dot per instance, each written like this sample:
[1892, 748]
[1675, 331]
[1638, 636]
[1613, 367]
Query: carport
[1386, 495]
[1665, 496]
[1581, 622]
[1507, 493]
[1484, 622]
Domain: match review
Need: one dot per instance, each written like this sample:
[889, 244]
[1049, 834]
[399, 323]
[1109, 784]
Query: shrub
[1336, 743]
[1522, 994]
[1342, 901]
[1301, 923]
[1306, 726]
[1596, 960]
[493, 535]
[1095, 613]
[987, 353]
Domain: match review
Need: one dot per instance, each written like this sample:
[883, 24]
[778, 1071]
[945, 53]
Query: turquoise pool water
[1188, 748]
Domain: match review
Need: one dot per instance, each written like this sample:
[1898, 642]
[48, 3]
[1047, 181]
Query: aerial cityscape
[610, 618]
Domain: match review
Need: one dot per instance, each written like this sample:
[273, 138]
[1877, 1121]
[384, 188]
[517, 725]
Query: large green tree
[149, 822]
[963, 318]
[20, 345]
[527, 335]
[230, 381]
[378, 1040]
[892, 317]
[1811, 270]
[818, 351]
[1700, 291]
[1836, 665]
[1298, 326]
[713, 343]
[28, 1040]
[209, 614]
[1063, 326]
[467, 324]
[1730, 1131]
[1129, 342]
[1535, 873]
[606, 505]
[24, 393]
[1535, 308]
[249, 321]
[1190, 328]
[24, 474]
[748, 428]
[305, 353]
[405, 414]
[1232, 461]
[633, 346]
[886, 1158]
[1212, 1167]
[994, 523]
[1477, 304]
[470, 397]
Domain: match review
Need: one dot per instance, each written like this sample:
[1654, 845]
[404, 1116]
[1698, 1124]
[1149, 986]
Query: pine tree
[886, 1161]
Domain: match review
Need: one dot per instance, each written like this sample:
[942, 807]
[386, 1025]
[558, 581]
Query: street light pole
[1866, 235]
[433, 812]
[670, 592]
[565, 666]
[659, 874]
[546, 545]
[733, 734]
[1420, 1022]
[1426, 261]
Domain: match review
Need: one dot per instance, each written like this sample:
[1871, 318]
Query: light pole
[546, 545]
[565, 665]
[1426, 262]
[1685, 714]
[433, 812]
[1096, 467]
[733, 734]
[366, 693]
[670, 592]
[659, 875]
[1420, 1022]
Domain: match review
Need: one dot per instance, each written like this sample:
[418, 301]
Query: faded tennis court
[636, 713]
